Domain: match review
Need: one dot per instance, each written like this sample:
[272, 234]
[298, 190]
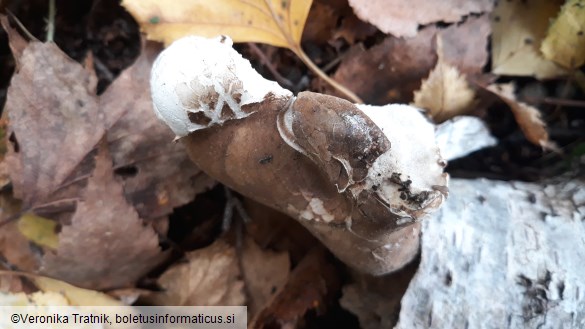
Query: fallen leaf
[54, 121]
[15, 248]
[310, 286]
[376, 300]
[565, 40]
[527, 117]
[39, 230]
[3, 148]
[107, 245]
[518, 29]
[157, 174]
[265, 272]
[276, 22]
[402, 18]
[10, 283]
[391, 71]
[277, 231]
[33, 299]
[321, 23]
[353, 29]
[54, 292]
[209, 277]
[74, 295]
[445, 93]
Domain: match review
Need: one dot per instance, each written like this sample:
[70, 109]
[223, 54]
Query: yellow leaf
[53, 292]
[74, 295]
[565, 40]
[39, 230]
[518, 28]
[527, 117]
[48, 299]
[276, 22]
[445, 93]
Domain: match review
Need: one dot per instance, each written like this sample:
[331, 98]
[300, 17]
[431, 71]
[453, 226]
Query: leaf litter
[107, 245]
[390, 72]
[56, 121]
[147, 176]
[445, 93]
[402, 18]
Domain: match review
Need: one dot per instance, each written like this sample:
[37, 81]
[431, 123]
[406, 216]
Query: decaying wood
[502, 255]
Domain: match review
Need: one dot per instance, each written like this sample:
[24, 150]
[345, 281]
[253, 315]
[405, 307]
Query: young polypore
[358, 177]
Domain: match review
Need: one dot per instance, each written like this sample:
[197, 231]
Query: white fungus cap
[195, 78]
[413, 154]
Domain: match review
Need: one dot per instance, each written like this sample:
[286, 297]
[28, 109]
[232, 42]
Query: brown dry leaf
[445, 93]
[273, 229]
[15, 248]
[265, 272]
[527, 117]
[310, 286]
[321, 23]
[352, 29]
[107, 245]
[518, 29]
[54, 122]
[402, 18]
[10, 282]
[157, 174]
[391, 71]
[276, 22]
[210, 277]
[565, 39]
[376, 300]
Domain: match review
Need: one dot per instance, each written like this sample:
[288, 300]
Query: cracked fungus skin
[192, 90]
[384, 158]
[358, 177]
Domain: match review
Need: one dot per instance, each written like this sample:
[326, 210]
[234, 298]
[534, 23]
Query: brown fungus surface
[359, 178]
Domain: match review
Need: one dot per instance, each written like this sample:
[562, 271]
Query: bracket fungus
[358, 177]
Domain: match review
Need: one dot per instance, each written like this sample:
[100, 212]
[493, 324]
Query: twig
[557, 101]
[266, 62]
[346, 92]
[21, 26]
[51, 21]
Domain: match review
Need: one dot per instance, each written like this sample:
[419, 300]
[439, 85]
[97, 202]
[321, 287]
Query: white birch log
[501, 255]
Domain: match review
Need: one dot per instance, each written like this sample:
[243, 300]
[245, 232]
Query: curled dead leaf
[528, 117]
[107, 244]
[209, 277]
[445, 93]
[392, 70]
[402, 18]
